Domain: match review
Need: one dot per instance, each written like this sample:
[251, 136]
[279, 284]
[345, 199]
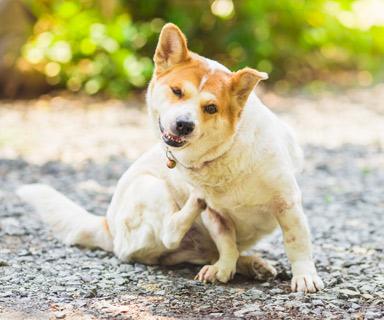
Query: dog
[221, 178]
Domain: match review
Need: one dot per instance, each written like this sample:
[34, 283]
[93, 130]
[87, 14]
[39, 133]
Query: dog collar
[173, 161]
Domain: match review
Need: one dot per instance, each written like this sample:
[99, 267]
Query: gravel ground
[82, 151]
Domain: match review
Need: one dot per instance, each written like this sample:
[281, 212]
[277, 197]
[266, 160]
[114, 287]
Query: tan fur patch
[214, 84]
[105, 225]
[290, 238]
[282, 205]
[223, 225]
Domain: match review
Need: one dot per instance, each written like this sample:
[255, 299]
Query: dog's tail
[69, 222]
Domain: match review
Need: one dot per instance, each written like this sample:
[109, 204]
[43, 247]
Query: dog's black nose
[183, 126]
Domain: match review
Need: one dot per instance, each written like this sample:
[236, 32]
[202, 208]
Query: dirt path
[82, 147]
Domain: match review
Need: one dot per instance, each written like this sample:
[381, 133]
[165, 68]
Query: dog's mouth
[170, 139]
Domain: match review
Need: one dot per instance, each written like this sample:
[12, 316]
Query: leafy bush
[80, 46]
[75, 45]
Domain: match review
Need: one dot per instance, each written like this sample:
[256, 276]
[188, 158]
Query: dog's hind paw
[255, 267]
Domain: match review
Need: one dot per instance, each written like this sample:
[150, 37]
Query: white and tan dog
[234, 180]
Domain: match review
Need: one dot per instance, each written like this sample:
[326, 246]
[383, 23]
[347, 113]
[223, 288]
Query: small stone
[140, 267]
[60, 315]
[247, 309]
[317, 302]
[355, 306]
[304, 310]
[24, 253]
[297, 295]
[91, 293]
[256, 294]
[5, 294]
[292, 304]
[3, 263]
[120, 281]
[317, 311]
[12, 227]
[160, 292]
[371, 315]
[204, 307]
[367, 288]
[216, 314]
[86, 278]
[348, 293]
[276, 291]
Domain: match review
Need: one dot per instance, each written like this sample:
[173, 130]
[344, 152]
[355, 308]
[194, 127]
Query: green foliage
[76, 44]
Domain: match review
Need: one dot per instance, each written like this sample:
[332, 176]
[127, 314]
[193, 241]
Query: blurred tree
[296, 41]
[106, 46]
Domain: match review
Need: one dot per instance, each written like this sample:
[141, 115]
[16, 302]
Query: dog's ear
[171, 48]
[243, 82]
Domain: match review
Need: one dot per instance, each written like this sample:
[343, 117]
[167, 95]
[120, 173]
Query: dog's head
[195, 102]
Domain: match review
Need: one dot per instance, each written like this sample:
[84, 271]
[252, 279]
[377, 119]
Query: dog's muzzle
[172, 140]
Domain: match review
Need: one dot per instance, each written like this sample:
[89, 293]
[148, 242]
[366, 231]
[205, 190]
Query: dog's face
[195, 102]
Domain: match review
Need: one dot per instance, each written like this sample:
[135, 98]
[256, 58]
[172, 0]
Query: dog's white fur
[156, 215]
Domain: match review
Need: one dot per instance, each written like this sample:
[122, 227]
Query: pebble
[348, 293]
[216, 314]
[317, 302]
[246, 310]
[140, 267]
[355, 306]
[367, 288]
[276, 291]
[255, 293]
[60, 315]
[373, 315]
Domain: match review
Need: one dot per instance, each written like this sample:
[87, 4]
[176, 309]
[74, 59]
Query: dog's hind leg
[255, 267]
[178, 223]
[147, 221]
[222, 231]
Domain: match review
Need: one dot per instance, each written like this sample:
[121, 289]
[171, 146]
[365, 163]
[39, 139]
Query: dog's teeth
[172, 137]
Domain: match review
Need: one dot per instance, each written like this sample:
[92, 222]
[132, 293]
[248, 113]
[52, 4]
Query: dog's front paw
[306, 283]
[213, 273]
[305, 278]
[201, 204]
[196, 198]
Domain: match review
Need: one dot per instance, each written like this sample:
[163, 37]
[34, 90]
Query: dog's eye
[211, 108]
[177, 92]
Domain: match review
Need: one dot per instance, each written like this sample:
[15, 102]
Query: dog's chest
[252, 223]
[248, 202]
[242, 194]
[237, 188]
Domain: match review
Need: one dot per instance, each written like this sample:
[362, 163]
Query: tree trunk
[15, 28]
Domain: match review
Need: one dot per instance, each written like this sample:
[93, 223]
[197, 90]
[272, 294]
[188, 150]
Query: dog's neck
[195, 162]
